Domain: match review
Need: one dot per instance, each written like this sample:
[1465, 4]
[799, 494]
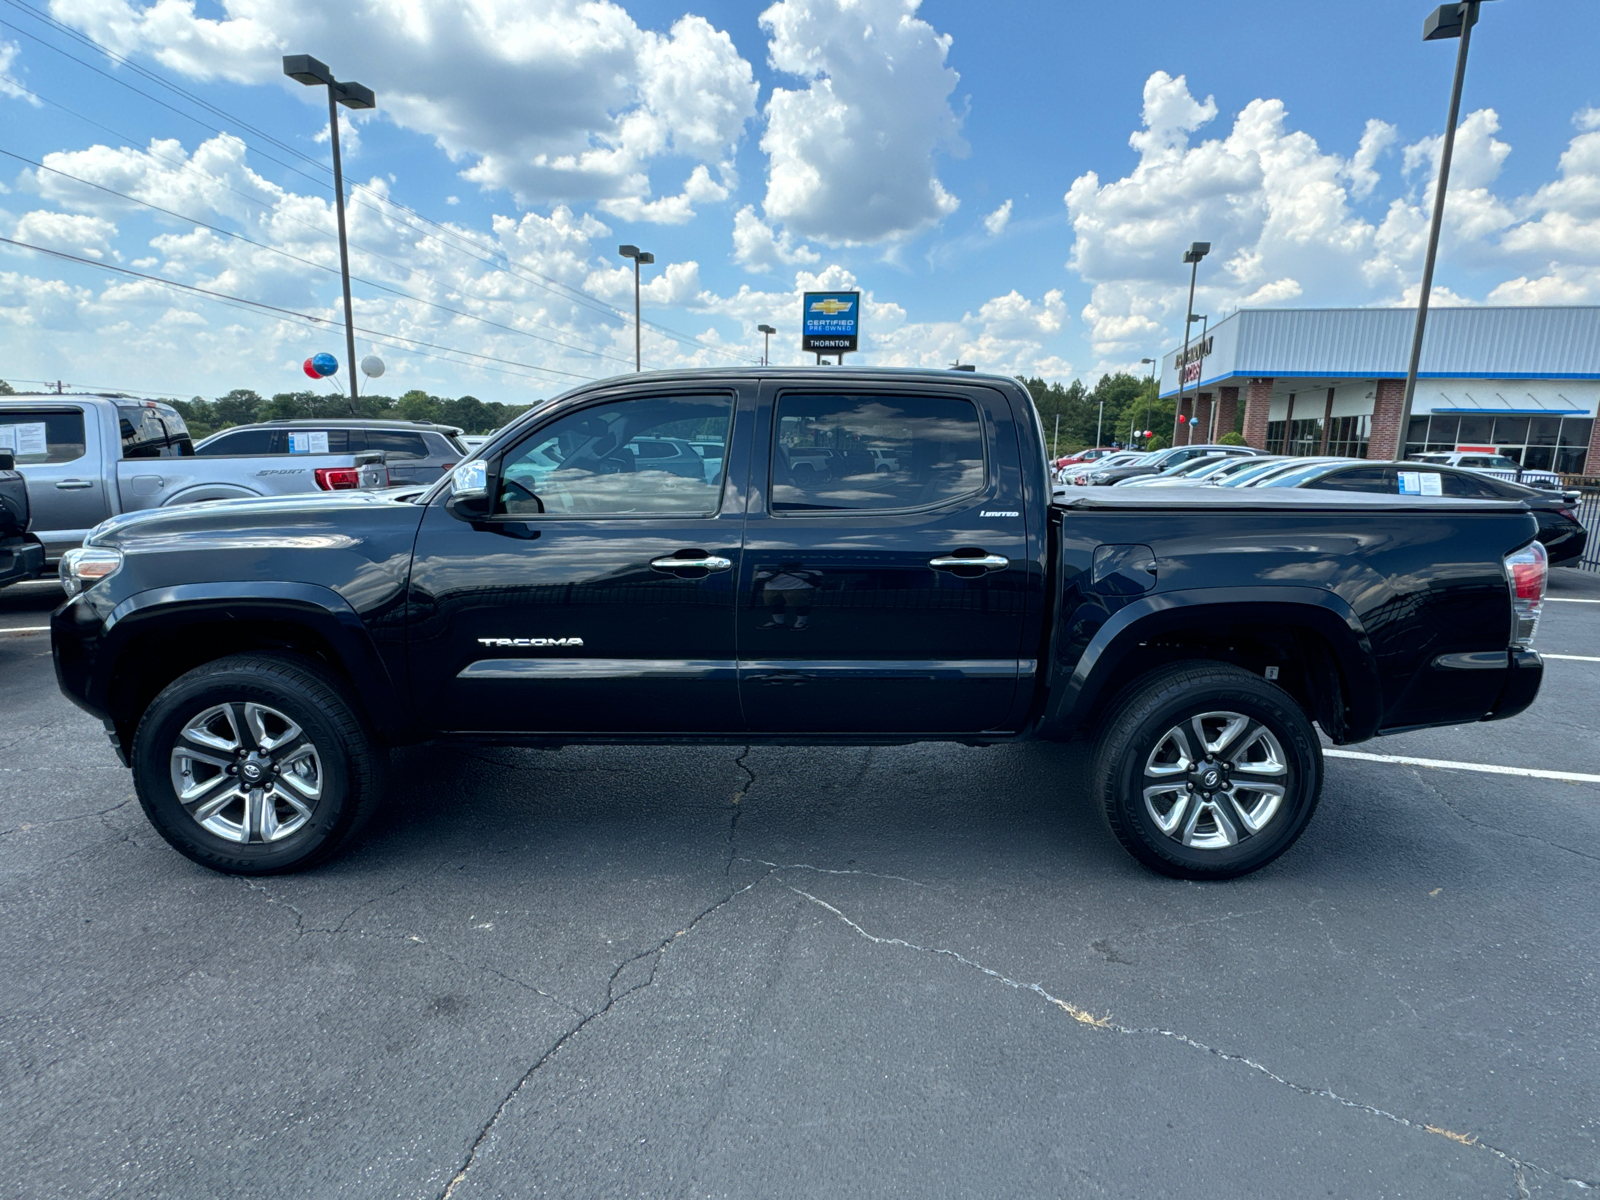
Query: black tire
[261, 693]
[1138, 752]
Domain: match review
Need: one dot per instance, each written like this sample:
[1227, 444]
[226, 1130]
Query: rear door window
[244, 441]
[1359, 479]
[397, 443]
[42, 436]
[1468, 487]
[840, 452]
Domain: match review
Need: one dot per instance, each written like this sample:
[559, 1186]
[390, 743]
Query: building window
[1347, 437]
[1538, 443]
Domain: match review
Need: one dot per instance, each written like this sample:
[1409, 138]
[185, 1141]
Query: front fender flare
[168, 610]
[1074, 695]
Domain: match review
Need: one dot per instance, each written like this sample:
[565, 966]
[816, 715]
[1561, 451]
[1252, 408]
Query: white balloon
[372, 366]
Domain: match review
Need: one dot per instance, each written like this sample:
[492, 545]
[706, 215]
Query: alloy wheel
[246, 772]
[1216, 779]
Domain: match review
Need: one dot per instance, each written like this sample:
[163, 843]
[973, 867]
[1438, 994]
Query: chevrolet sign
[830, 322]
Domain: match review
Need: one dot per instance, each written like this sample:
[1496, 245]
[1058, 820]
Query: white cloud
[670, 210]
[72, 233]
[1289, 222]
[851, 156]
[551, 99]
[757, 248]
[997, 221]
[8, 84]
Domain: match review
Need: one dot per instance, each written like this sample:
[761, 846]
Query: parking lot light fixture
[1446, 21]
[1192, 256]
[766, 350]
[640, 258]
[314, 73]
[1149, 396]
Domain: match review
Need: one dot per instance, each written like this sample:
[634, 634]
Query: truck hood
[326, 510]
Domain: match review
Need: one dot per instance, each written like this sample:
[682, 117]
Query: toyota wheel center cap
[1211, 778]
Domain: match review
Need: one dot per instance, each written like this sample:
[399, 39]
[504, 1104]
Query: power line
[595, 303]
[284, 312]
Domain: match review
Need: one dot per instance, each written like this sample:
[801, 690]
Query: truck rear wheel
[1205, 771]
[255, 764]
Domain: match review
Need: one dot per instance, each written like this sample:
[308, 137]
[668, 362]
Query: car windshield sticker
[23, 439]
[1431, 484]
[308, 443]
[1411, 483]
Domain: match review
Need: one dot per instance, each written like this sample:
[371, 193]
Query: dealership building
[1525, 381]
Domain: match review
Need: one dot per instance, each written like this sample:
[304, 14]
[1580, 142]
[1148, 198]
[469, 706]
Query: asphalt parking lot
[920, 971]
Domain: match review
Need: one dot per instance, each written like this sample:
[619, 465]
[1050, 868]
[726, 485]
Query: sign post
[830, 323]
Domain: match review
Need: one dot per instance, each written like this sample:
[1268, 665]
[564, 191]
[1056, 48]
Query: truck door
[884, 573]
[59, 452]
[598, 598]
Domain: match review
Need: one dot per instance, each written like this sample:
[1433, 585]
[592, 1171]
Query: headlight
[87, 566]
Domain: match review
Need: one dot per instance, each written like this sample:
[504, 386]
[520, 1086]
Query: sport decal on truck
[531, 641]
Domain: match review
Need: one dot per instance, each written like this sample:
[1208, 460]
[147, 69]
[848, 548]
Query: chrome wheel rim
[1215, 780]
[246, 773]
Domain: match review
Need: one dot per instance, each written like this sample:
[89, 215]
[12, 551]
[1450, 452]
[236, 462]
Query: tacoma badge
[531, 641]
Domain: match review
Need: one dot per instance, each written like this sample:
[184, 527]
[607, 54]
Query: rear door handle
[74, 485]
[989, 562]
[702, 562]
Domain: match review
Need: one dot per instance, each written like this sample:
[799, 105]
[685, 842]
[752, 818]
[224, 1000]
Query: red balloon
[311, 370]
[1182, 419]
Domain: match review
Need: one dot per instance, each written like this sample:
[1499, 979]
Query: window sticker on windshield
[23, 440]
[1411, 483]
[1431, 485]
[308, 443]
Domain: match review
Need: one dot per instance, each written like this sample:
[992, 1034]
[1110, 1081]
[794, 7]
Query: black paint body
[1378, 614]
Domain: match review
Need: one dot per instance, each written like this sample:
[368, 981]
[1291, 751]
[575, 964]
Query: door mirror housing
[470, 498]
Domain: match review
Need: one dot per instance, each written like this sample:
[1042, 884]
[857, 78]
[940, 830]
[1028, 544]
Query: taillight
[1526, 572]
[447, 466]
[338, 479]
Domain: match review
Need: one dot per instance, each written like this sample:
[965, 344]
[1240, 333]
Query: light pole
[766, 349]
[640, 258]
[1150, 398]
[1446, 21]
[1192, 256]
[352, 95]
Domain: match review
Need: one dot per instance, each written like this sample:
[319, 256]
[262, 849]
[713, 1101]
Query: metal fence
[1588, 514]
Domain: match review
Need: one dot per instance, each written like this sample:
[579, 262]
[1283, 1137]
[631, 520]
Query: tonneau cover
[1225, 499]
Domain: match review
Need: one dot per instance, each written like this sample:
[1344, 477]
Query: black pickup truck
[839, 556]
[21, 554]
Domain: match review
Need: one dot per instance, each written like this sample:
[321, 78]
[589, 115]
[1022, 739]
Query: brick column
[1202, 419]
[1227, 410]
[1180, 432]
[1591, 464]
[1386, 439]
[1327, 423]
[1256, 402]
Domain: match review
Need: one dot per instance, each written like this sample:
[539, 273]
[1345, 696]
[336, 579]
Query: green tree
[417, 405]
[6, 389]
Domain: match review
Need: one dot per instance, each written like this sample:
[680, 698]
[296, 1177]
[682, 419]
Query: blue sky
[1294, 137]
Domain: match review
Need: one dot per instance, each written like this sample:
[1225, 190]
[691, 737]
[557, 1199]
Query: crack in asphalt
[1530, 837]
[613, 997]
[1519, 1166]
[834, 871]
[28, 826]
[744, 790]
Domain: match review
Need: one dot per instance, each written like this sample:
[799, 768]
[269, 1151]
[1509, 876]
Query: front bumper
[77, 636]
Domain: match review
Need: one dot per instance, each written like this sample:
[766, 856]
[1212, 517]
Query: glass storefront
[1347, 437]
[1538, 443]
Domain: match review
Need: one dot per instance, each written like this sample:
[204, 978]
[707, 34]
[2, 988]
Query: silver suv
[415, 451]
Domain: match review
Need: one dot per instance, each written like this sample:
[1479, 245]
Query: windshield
[1258, 471]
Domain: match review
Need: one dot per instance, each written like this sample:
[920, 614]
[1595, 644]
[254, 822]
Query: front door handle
[74, 485]
[692, 560]
[989, 562]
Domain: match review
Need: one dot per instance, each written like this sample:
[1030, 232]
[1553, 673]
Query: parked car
[1184, 473]
[1563, 536]
[1093, 454]
[253, 661]
[89, 457]
[1266, 468]
[1078, 474]
[21, 554]
[414, 451]
[1494, 464]
[1207, 471]
[1161, 460]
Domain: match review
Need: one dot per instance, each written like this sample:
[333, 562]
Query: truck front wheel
[1205, 771]
[255, 764]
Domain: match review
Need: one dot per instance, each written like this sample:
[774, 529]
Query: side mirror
[469, 491]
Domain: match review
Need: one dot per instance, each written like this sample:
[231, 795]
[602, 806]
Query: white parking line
[1574, 657]
[25, 629]
[1446, 765]
[1569, 600]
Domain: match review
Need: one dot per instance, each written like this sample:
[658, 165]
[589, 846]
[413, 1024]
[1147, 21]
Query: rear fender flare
[1074, 698]
[322, 611]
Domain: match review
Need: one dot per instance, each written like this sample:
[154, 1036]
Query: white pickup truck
[89, 457]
